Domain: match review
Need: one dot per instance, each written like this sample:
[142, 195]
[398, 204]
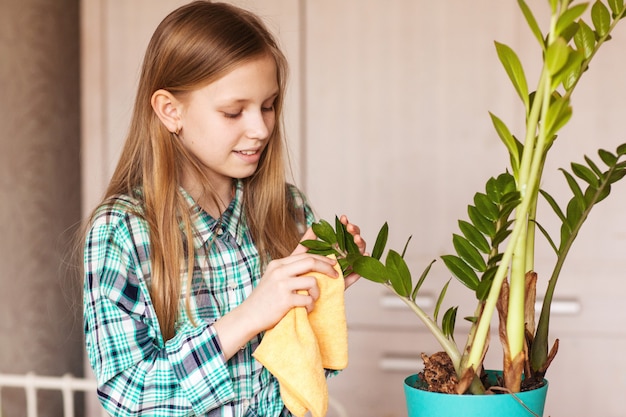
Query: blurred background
[387, 120]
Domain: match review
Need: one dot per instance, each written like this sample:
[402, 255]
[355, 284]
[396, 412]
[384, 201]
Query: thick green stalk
[474, 356]
[523, 258]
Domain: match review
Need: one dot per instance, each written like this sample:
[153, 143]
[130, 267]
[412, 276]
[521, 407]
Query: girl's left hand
[355, 231]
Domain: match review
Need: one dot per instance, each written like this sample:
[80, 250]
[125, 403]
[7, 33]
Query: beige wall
[388, 115]
[40, 326]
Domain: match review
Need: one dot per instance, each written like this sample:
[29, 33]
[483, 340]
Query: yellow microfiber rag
[301, 345]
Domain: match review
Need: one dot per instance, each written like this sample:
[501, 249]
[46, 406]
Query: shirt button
[220, 232]
[246, 404]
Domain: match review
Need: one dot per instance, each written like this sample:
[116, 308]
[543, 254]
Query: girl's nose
[258, 125]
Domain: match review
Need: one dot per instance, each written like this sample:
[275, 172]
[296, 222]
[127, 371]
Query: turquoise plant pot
[421, 403]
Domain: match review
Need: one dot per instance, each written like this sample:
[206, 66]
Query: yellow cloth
[301, 345]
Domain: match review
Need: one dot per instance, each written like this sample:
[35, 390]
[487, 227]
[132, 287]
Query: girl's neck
[213, 204]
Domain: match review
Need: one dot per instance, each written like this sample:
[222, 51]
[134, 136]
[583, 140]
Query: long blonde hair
[195, 45]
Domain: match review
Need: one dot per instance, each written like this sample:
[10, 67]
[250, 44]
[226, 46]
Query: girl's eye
[267, 109]
[232, 115]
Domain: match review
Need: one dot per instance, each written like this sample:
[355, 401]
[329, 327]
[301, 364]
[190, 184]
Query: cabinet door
[397, 129]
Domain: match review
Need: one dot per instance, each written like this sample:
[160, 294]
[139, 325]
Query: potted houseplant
[495, 248]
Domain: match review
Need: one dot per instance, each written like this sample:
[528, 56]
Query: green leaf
[500, 236]
[468, 253]
[594, 167]
[486, 207]
[371, 269]
[317, 245]
[616, 6]
[399, 273]
[484, 225]
[324, 231]
[448, 322]
[556, 55]
[573, 185]
[569, 16]
[490, 273]
[491, 188]
[601, 18]
[545, 234]
[570, 73]
[406, 245]
[570, 31]
[621, 149]
[346, 267]
[421, 280]
[485, 286]
[574, 212]
[473, 235]
[509, 141]
[585, 174]
[514, 70]
[585, 39]
[532, 22]
[442, 294]
[507, 209]
[507, 183]
[607, 157]
[461, 271]
[351, 247]
[558, 115]
[616, 176]
[554, 205]
[381, 241]
[341, 234]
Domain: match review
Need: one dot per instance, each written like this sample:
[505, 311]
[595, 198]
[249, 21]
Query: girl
[194, 251]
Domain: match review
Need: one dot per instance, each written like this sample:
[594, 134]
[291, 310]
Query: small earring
[178, 129]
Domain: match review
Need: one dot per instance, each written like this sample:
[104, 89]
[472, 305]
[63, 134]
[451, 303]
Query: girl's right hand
[285, 285]
[277, 293]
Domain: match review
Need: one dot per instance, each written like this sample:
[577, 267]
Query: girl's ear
[168, 109]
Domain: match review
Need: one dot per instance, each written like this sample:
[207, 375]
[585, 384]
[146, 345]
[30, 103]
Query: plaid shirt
[139, 374]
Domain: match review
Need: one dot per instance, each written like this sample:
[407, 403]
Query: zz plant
[495, 248]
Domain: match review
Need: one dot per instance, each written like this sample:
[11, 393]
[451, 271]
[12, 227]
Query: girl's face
[227, 123]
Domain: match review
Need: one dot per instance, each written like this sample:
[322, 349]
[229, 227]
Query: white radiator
[68, 384]
[32, 382]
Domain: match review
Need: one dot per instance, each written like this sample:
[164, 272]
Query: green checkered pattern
[137, 372]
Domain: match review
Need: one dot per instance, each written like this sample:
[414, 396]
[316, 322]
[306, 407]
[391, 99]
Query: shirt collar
[207, 228]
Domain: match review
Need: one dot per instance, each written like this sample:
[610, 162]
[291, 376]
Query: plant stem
[448, 345]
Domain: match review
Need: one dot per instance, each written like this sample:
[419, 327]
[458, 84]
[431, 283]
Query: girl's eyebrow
[245, 100]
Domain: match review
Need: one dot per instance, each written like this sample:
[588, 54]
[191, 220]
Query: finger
[355, 231]
[351, 279]
[308, 262]
[360, 243]
[306, 297]
[301, 265]
[314, 292]
[308, 235]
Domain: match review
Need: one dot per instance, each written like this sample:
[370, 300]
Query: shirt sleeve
[301, 205]
[137, 373]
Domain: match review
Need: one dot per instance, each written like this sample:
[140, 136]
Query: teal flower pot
[421, 403]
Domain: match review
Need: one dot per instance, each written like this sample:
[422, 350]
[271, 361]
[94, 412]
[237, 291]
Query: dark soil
[439, 376]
